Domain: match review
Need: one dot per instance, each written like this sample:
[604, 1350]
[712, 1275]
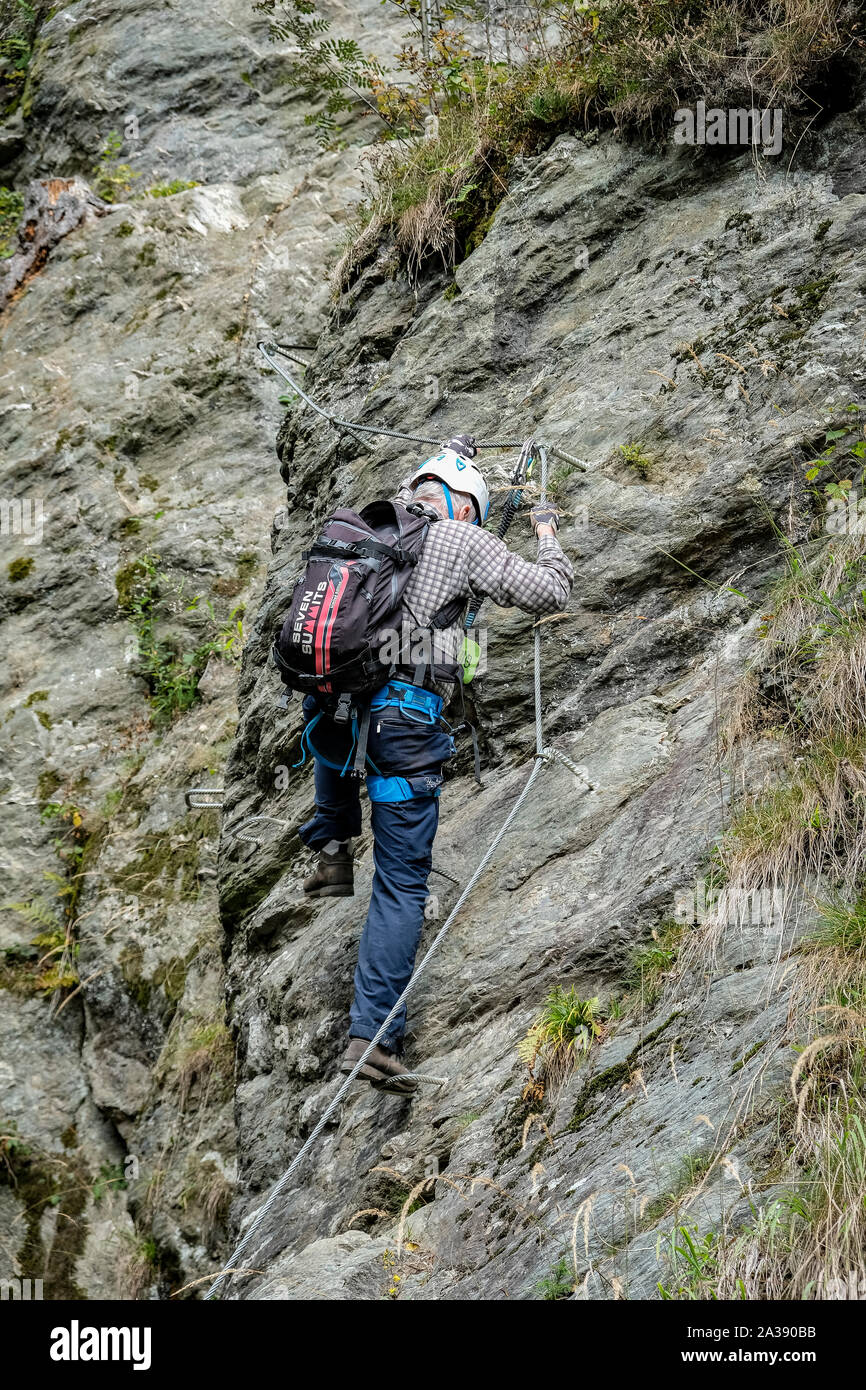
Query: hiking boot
[333, 877]
[381, 1069]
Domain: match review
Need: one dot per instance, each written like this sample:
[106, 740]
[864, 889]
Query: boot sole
[338, 891]
[393, 1086]
[381, 1081]
[367, 1073]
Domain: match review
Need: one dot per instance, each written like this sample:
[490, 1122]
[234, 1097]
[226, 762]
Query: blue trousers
[403, 835]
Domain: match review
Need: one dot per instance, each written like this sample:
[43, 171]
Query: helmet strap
[447, 491]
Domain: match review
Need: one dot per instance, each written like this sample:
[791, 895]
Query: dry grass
[813, 1235]
[139, 1266]
[630, 64]
[804, 838]
[809, 831]
[838, 688]
[208, 1190]
[806, 688]
[809, 1240]
[198, 1054]
[429, 194]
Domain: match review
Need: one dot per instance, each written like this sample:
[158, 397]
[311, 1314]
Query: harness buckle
[343, 712]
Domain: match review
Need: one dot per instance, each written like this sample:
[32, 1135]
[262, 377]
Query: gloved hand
[544, 516]
[463, 444]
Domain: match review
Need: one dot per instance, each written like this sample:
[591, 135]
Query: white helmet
[455, 470]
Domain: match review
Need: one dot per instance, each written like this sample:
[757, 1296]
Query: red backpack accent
[348, 601]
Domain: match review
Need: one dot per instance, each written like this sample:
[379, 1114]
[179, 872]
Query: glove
[463, 444]
[544, 516]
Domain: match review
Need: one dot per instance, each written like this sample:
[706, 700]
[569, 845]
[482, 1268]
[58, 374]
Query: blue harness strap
[307, 748]
[422, 706]
[403, 788]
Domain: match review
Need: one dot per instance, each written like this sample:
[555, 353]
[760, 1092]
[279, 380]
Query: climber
[408, 741]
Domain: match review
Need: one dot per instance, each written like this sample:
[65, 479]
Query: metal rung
[555, 755]
[422, 1078]
[204, 796]
[239, 832]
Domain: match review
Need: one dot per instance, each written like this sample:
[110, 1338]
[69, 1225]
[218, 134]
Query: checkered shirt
[463, 561]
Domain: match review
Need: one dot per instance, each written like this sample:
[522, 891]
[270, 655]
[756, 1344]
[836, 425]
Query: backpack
[346, 603]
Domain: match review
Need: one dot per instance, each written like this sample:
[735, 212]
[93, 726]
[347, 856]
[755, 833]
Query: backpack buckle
[343, 712]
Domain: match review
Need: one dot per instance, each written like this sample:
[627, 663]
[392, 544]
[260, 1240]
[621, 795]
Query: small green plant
[842, 928]
[52, 963]
[111, 1179]
[694, 1265]
[636, 459]
[168, 190]
[113, 179]
[208, 1054]
[843, 452]
[11, 208]
[558, 1284]
[556, 486]
[141, 1262]
[563, 1031]
[12, 1147]
[651, 963]
[692, 1170]
[206, 1188]
[145, 595]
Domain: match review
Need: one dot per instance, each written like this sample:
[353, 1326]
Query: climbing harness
[419, 704]
[544, 754]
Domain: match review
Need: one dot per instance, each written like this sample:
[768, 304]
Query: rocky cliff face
[705, 314]
[138, 423]
[714, 331]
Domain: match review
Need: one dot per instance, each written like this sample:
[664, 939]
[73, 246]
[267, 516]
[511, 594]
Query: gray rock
[202, 1046]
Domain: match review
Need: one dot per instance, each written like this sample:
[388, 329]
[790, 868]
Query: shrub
[629, 64]
[558, 1284]
[113, 179]
[563, 1031]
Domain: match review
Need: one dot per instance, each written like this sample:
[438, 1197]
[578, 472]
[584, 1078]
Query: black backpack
[347, 604]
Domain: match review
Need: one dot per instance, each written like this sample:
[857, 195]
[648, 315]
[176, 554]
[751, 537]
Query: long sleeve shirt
[463, 561]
